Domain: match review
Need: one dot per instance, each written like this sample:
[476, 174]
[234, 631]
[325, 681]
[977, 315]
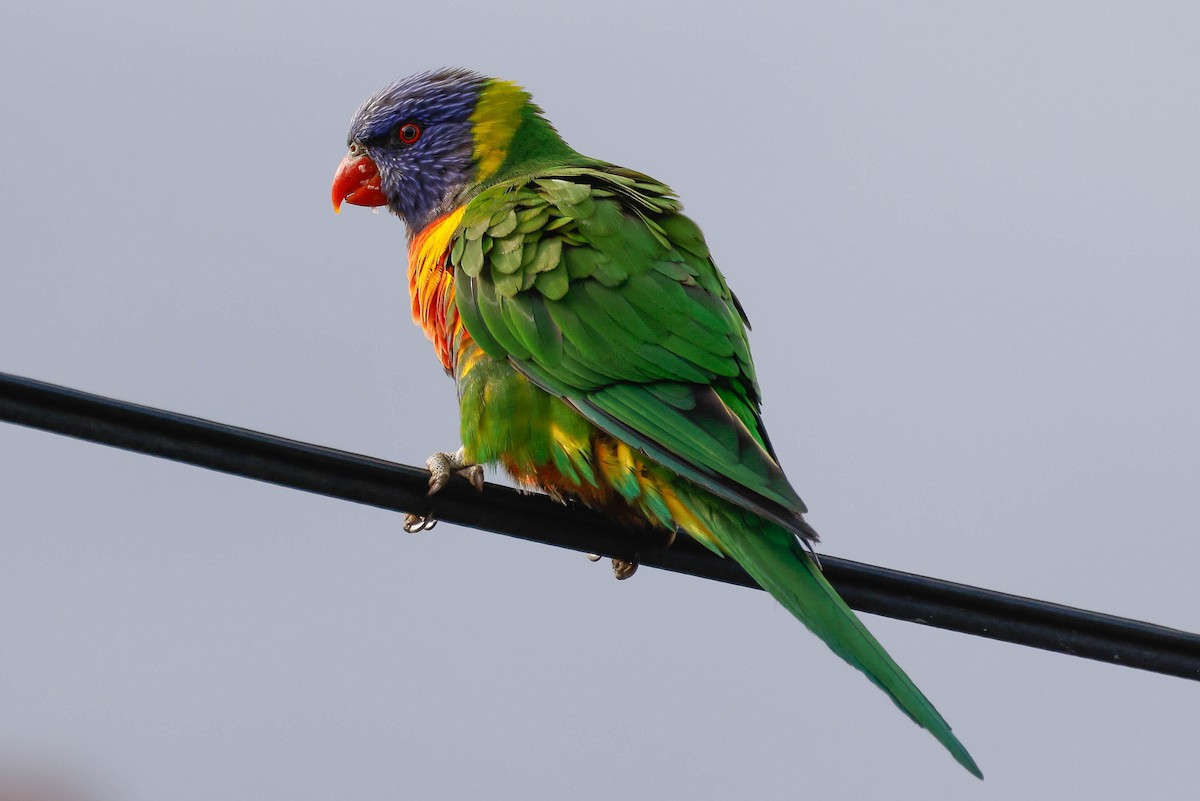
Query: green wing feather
[594, 286]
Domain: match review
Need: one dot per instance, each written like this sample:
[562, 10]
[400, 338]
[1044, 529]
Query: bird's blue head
[420, 144]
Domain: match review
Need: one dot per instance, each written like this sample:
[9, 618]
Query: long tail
[775, 559]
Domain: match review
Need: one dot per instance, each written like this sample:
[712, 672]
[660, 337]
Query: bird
[598, 353]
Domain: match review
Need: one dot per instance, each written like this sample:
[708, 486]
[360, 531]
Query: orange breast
[431, 286]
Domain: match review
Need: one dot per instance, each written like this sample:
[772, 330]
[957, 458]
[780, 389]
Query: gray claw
[474, 474]
[414, 524]
[623, 570]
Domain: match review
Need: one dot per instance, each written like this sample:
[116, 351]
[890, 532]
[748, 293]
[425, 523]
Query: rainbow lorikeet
[597, 350]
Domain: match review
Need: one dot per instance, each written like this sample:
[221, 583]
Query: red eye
[408, 133]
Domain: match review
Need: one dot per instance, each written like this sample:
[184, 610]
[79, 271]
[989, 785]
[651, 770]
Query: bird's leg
[442, 466]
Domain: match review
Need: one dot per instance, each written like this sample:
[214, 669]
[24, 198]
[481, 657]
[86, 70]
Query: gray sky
[967, 238]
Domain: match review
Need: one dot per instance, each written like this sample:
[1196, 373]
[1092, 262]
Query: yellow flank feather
[570, 444]
[686, 519]
[628, 473]
[625, 457]
[606, 460]
[496, 118]
[468, 358]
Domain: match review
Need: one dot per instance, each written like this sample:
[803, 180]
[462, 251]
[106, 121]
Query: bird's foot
[622, 569]
[442, 466]
[415, 524]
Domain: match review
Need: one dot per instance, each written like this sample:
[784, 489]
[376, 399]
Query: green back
[592, 284]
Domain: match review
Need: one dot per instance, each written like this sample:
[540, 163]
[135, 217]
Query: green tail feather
[774, 558]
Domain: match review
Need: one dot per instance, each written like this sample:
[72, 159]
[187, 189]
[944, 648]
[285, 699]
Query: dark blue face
[420, 136]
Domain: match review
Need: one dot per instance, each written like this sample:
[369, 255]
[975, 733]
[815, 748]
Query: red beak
[357, 183]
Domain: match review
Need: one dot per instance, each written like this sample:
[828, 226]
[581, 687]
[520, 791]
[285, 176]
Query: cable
[375, 482]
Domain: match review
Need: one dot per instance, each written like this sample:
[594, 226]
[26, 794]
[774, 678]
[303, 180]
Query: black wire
[362, 479]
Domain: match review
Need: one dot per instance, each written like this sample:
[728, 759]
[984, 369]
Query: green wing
[593, 285]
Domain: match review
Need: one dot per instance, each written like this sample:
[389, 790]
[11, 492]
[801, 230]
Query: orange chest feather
[431, 287]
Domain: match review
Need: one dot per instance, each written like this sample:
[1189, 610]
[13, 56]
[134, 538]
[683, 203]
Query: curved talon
[473, 474]
[414, 524]
[623, 569]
